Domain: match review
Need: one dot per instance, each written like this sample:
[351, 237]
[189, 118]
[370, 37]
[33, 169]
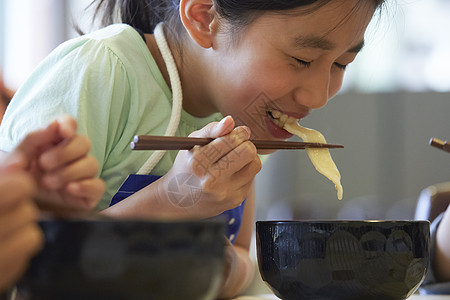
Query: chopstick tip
[436, 142]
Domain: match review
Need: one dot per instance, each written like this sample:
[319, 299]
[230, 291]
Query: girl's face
[286, 63]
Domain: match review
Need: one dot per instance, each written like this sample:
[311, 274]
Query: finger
[67, 126]
[89, 191]
[235, 160]
[14, 188]
[215, 129]
[205, 156]
[242, 193]
[247, 166]
[12, 162]
[80, 169]
[37, 141]
[65, 152]
[246, 175]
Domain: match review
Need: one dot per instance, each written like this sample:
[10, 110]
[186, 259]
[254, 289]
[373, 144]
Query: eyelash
[342, 67]
[303, 63]
[307, 64]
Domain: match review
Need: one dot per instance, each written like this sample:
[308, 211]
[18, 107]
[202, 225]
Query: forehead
[341, 22]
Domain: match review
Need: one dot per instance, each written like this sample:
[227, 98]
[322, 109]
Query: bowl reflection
[118, 260]
[343, 259]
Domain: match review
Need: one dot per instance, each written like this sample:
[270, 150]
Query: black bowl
[123, 260]
[348, 260]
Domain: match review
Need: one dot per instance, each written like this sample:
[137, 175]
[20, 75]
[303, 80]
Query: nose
[314, 91]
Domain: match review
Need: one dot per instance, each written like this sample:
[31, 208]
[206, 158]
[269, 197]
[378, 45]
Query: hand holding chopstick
[149, 142]
[443, 145]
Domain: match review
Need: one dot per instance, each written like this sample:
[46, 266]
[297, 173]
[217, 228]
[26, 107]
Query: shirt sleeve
[83, 78]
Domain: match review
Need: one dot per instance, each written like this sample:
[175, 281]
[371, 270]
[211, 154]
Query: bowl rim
[330, 221]
[134, 221]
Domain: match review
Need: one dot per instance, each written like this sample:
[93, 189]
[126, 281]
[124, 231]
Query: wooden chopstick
[440, 144]
[149, 142]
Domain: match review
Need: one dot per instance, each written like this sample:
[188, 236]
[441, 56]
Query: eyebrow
[322, 43]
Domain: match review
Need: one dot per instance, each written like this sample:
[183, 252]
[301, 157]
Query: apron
[136, 182]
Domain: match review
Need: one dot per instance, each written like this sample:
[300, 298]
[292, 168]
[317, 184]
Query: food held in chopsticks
[320, 158]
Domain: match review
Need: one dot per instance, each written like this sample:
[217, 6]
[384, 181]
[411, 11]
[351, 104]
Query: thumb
[215, 129]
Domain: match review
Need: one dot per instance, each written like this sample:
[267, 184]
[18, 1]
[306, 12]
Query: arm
[442, 251]
[20, 236]
[240, 269]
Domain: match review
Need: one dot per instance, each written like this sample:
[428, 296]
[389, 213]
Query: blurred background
[396, 96]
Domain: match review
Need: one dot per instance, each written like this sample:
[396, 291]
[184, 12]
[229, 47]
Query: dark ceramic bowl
[343, 260]
[123, 260]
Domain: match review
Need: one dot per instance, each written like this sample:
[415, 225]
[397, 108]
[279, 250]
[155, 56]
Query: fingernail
[223, 121]
[248, 130]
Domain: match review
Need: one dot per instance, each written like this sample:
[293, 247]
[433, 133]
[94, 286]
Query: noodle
[320, 157]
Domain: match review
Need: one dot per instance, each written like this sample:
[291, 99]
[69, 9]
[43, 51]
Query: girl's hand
[58, 158]
[20, 236]
[209, 180]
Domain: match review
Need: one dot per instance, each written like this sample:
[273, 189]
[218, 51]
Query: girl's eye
[302, 62]
[307, 64]
[340, 66]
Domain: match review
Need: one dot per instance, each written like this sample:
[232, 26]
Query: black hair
[146, 14]
[141, 14]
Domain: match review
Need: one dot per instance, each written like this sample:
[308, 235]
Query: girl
[39, 169]
[176, 68]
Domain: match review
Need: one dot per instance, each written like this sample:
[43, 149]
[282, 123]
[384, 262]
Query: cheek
[335, 84]
[247, 86]
[250, 82]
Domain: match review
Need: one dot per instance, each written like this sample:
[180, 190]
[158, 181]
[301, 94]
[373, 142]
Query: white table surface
[413, 297]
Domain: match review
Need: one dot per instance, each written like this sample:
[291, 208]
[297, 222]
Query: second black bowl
[343, 260]
[122, 260]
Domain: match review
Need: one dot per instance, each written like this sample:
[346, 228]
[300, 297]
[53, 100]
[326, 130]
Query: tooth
[276, 114]
[283, 119]
[291, 119]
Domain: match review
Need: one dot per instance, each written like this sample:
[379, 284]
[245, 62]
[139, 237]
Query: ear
[199, 19]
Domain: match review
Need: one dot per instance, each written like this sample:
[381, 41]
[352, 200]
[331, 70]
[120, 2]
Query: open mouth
[279, 118]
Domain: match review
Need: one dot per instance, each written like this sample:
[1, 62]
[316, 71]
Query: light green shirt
[111, 84]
